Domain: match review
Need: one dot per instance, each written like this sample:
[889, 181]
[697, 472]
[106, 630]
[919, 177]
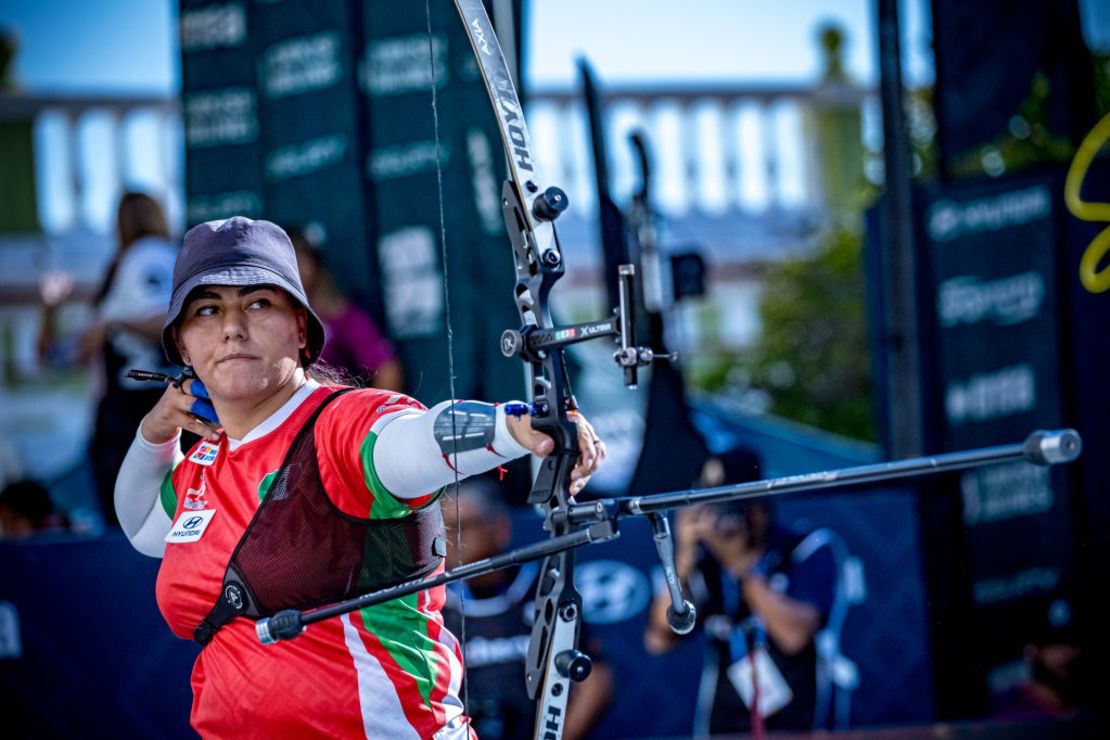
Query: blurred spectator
[760, 589]
[498, 609]
[129, 308]
[9, 47]
[11, 467]
[26, 509]
[354, 344]
[1053, 664]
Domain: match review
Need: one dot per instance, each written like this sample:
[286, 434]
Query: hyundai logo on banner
[611, 591]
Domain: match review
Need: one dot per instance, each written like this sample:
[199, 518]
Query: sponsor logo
[513, 120]
[190, 526]
[947, 220]
[387, 163]
[205, 454]
[1011, 390]
[611, 591]
[1029, 582]
[194, 498]
[301, 65]
[234, 596]
[221, 118]
[553, 722]
[412, 282]
[480, 37]
[1010, 300]
[484, 183]
[212, 27]
[400, 65]
[221, 205]
[481, 651]
[305, 157]
[1002, 492]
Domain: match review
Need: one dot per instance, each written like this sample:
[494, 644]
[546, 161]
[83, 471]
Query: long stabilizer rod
[1040, 448]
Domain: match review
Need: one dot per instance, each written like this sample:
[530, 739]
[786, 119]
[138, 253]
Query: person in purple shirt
[354, 344]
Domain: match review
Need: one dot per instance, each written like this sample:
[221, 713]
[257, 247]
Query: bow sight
[532, 343]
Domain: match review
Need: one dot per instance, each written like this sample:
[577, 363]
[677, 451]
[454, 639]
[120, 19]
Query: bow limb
[529, 210]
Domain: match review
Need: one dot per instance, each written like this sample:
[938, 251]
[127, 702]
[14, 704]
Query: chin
[243, 384]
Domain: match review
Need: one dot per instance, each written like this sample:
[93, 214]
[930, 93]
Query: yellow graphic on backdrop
[1093, 279]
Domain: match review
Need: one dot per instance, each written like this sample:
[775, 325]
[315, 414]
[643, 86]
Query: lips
[237, 356]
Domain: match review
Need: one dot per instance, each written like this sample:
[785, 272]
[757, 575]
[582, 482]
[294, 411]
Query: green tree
[812, 358]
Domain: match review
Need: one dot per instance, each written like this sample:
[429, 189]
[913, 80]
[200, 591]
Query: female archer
[304, 493]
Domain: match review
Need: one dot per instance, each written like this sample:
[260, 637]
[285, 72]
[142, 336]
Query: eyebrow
[246, 290]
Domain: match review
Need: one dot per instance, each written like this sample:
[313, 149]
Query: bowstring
[450, 344]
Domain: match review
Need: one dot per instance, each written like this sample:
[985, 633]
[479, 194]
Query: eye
[205, 310]
[259, 303]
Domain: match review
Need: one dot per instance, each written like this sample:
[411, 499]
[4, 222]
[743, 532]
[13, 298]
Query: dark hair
[137, 216]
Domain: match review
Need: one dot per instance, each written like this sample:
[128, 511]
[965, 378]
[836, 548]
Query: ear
[179, 344]
[302, 328]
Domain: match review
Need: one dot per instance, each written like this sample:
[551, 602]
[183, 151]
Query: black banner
[989, 316]
[396, 74]
[989, 54]
[319, 114]
[219, 99]
[313, 143]
[1086, 284]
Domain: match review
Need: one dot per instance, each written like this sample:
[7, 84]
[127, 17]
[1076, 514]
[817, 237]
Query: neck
[238, 417]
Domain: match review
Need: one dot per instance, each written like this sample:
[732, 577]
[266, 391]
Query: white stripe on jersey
[452, 706]
[382, 714]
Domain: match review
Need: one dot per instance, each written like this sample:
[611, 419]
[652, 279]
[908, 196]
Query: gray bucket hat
[238, 251]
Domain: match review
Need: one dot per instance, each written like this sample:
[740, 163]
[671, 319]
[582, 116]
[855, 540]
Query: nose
[234, 325]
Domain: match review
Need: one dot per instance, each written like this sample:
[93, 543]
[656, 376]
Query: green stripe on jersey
[265, 483]
[168, 495]
[403, 631]
[385, 504]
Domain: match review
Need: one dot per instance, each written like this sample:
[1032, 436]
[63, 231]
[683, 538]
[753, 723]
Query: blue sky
[129, 45]
[117, 45]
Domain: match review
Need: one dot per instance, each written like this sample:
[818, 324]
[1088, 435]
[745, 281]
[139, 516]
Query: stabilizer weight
[1054, 447]
[682, 624]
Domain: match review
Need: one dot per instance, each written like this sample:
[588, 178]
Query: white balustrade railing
[717, 147]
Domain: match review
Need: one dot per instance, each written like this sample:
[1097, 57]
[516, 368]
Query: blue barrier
[86, 653]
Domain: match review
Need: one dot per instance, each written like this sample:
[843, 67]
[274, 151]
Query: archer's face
[243, 342]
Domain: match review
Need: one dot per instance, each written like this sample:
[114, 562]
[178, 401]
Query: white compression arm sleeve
[418, 452]
[138, 490]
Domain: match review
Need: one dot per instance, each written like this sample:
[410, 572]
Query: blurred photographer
[493, 615]
[763, 592]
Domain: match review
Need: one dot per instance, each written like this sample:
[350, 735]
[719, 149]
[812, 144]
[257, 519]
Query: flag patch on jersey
[205, 454]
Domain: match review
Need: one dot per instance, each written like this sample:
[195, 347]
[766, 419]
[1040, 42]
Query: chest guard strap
[301, 551]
